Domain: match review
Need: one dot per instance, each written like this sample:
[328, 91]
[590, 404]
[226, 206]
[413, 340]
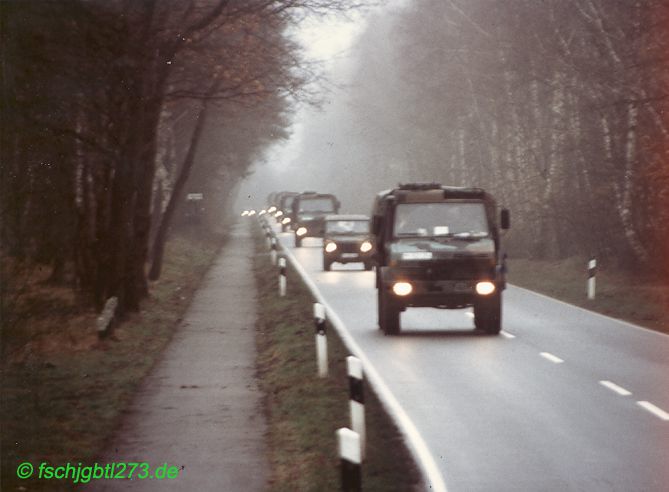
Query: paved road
[200, 408]
[543, 406]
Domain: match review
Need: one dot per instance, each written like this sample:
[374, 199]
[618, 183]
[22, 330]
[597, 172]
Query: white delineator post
[592, 270]
[349, 454]
[357, 399]
[273, 251]
[321, 340]
[282, 276]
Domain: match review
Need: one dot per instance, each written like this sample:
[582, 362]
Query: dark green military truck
[438, 246]
[308, 214]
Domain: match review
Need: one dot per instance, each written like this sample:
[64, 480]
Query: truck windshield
[287, 202]
[317, 205]
[459, 219]
[347, 226]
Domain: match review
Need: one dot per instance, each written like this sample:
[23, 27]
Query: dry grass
[63, 391]
[642, 300]
[304, 411]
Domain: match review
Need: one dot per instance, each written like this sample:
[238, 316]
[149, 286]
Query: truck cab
[309, 210]
[438, 246]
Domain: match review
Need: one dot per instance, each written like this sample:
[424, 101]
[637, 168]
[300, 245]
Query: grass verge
[63, 391]
[304, 411]
[640, 300]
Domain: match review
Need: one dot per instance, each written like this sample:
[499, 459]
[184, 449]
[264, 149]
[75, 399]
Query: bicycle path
[200, 409]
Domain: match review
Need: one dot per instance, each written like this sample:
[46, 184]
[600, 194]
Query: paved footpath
[200, 407]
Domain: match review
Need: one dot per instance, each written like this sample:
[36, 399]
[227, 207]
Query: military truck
[438, 246]
[308, 213]
[285, 206]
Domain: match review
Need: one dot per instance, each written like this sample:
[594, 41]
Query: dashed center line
[553, 358]
[658, 412]
[614, 387]
[507, 334]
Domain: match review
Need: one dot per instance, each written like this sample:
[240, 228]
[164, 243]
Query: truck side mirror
[505, 219]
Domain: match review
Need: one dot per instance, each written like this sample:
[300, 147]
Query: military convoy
[431, 246]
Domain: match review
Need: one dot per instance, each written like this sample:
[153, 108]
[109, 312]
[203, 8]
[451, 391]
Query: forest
[559, 107]
[113, 111]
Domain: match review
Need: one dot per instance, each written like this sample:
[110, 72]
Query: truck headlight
[301, 231]
[366, 246]
[286, 220]
[272, 209]
[278, 214]
[330, 247]
[402, 288]
[485, 288]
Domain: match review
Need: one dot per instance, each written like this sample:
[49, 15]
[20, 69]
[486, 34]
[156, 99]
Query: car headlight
[402, 288]
[485, 288]
[330, 247]
[366, 246]
[286, 220]
[301, 231]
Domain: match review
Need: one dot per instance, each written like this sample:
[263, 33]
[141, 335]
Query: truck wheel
[326, 265]
[298, 241]
[389, 315]
[368, 266]
[488, 315]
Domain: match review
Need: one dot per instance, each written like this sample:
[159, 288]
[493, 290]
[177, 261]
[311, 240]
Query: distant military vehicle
[347, 240]
[308, 213]
[438, 246]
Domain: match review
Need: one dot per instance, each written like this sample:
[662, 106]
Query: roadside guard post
[357, 399]
[349, 454]
[273, 251]
[282, 276]
[592, 270]
[321, 340]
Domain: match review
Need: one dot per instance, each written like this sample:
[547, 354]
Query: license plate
[349, 255]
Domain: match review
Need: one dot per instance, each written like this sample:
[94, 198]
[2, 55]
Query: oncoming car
[347, 240]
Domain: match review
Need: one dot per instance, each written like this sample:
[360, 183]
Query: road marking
[417, 445]
[507, 334]
[614, 387]
[658, 412]
[553, 358]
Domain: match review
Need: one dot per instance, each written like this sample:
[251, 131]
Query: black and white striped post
[349, 455]
[282, 277]
[357, 399]
[321, 340]
[272, 251]
[592, 270]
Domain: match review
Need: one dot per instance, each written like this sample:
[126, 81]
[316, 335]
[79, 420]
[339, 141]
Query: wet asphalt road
[563, 399]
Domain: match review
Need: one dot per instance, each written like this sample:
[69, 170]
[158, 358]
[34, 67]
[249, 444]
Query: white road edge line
[658, 412]
[610, 318]
[614, 387]
[507, 334]
[553, 358]
[421, 453]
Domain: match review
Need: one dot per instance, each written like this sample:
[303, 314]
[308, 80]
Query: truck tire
[389, 314]
[368, 266]
[488, 314]
[298, 241]
[327, 265]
